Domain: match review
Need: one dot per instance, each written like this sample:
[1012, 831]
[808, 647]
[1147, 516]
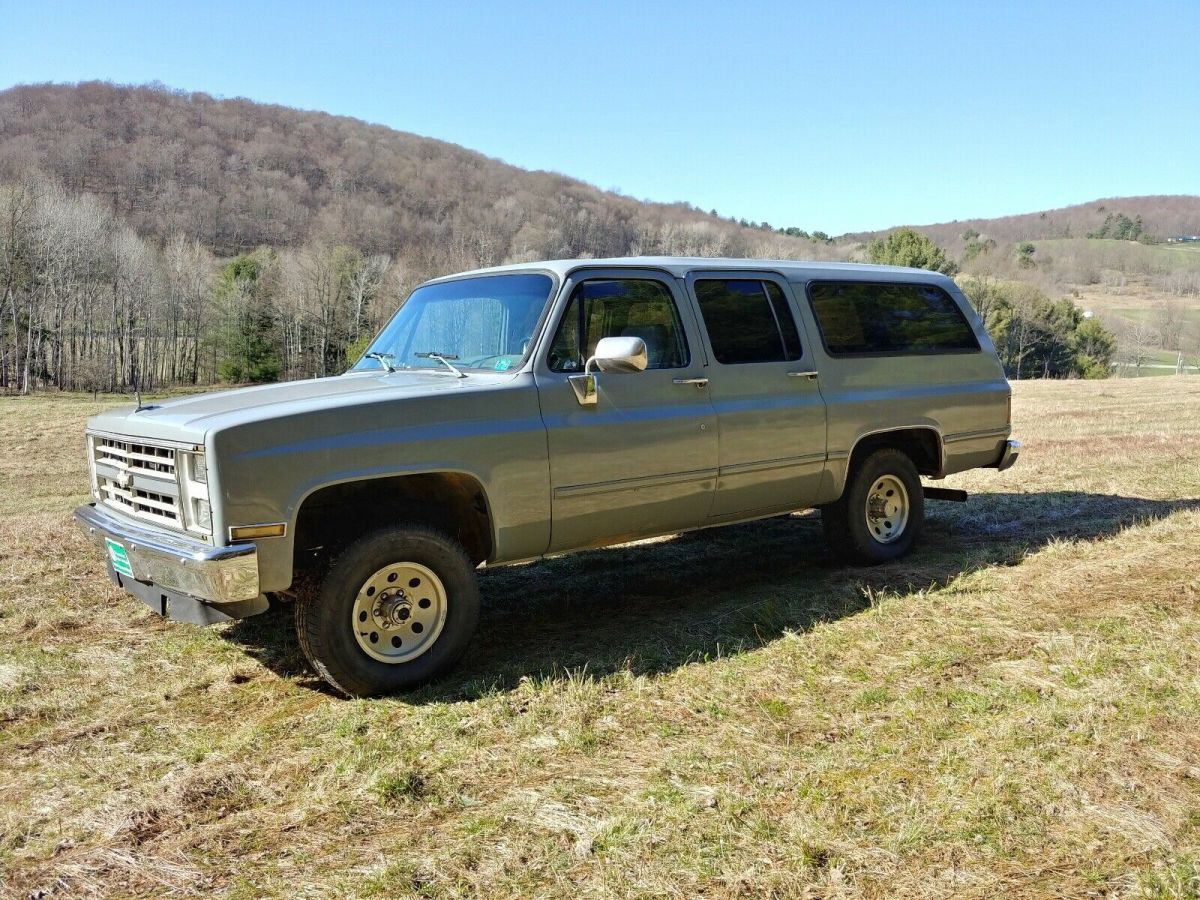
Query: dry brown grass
[1013, 710]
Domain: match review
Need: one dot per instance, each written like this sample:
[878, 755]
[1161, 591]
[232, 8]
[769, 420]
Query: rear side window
[875, 317]
[619, 307]
[748, 321]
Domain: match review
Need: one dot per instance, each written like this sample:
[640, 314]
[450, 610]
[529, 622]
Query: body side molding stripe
[626, 484]
[763, 465]
[630, 484]
[969, 435]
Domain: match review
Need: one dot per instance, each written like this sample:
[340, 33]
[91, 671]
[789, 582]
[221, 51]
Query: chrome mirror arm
[615, 354]
[584, 386]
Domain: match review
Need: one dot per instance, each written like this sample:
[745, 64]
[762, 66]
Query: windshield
[476, 323]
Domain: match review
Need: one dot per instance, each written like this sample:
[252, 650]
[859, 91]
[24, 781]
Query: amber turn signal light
[250, 532]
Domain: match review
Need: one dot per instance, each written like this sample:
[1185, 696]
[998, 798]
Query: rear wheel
[880, 513]
[397, 609]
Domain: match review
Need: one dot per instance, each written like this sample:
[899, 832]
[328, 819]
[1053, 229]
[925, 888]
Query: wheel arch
[923, 444]
[331, 515]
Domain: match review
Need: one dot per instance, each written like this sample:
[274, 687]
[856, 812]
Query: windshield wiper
[444, 359]
[382, 359]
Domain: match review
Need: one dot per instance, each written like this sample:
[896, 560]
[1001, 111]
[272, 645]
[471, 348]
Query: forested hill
[237, 175]
[154, 237]
[1155, 217]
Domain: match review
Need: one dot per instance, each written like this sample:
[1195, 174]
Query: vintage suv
[509, 413]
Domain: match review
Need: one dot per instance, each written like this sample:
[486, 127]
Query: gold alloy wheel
[887, 508]
[399, 612]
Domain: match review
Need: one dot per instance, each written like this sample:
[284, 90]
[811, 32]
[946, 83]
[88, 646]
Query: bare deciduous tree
[1169, 318]
[1138, 340]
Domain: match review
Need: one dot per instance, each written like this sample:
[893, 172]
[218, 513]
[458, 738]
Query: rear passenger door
[763, 385]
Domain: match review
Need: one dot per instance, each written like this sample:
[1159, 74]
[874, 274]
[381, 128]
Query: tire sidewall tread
[845, 524]
[323, 625]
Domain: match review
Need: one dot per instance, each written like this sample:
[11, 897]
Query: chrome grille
[156, 461]
[138, 479]
[143, 504]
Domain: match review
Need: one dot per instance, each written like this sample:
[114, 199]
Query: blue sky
[826, 116]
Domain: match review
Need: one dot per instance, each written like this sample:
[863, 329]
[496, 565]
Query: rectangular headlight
[198, 468]
[202, 515]
[193, 484]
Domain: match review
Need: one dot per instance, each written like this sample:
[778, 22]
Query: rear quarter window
[860, 317]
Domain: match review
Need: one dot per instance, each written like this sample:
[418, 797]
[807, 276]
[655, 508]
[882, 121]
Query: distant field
[1146, 314]
[1013, 711]
[1154, 257]
[1137, 302]
[1159, 363]
[1145, 266]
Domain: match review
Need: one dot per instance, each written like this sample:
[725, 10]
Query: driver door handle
[698, 382]
[809, 375]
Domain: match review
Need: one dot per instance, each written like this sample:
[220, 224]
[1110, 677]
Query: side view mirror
[618, 354]
[613, 354]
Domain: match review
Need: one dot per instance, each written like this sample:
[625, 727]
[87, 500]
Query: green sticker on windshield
[503, 364]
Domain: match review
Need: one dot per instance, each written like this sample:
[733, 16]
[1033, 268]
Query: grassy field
[1014, 710]
[1159, 363]
[1139, 295]
[1127, 256]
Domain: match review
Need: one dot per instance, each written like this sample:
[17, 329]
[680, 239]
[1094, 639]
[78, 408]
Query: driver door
[643, 460]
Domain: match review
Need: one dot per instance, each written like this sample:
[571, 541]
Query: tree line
[156, 237]
[88, 303]
[1037, 337]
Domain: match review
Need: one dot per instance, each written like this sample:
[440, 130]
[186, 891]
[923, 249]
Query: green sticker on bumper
[119, 557]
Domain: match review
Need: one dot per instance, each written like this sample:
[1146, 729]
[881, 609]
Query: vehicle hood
[189, 419]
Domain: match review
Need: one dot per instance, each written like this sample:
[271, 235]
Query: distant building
[1184, 239]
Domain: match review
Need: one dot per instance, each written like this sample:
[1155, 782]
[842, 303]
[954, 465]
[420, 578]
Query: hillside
[1162, 216]
[122, 210]
[237, 175]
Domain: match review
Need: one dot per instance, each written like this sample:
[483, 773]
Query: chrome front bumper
[218, 575]
[1012, 449]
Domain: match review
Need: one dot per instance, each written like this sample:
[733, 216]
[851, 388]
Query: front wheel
[397, 609]
[880, 513]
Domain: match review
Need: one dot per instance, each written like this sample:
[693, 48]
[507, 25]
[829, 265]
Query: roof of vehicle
[680, 266]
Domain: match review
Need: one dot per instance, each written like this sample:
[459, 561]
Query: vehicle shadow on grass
[652, 607]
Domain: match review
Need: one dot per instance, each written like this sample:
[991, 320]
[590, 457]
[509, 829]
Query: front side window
[748, 321]
[619, 307]
[483, 323]
[877, 317]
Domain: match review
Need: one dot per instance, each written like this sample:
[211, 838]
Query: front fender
[266, 469]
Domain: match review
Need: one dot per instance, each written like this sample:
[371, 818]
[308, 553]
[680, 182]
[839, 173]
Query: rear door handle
[808, 375]
[698, 382]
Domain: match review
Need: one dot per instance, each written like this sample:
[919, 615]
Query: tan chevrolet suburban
[509, 413]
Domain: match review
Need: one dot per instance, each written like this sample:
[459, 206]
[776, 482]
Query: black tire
[324, 622]
[850, 537]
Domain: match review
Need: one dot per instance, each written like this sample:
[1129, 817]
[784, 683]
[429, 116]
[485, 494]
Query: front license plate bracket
[119, 557]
